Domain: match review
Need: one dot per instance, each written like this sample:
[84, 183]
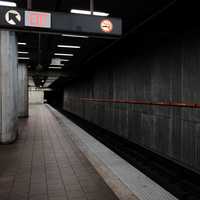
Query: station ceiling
[41, 47]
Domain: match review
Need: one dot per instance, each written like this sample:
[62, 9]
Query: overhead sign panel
[24, 20]
[38, 19]
[85, 24]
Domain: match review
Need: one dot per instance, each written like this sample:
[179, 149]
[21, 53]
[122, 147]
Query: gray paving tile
[4, 195]
[58, 198]
[44, 164]
[14, 196]
[76, 194]
[38, 189]
[38, 197]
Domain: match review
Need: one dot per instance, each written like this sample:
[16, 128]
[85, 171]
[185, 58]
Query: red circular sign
[106, 26]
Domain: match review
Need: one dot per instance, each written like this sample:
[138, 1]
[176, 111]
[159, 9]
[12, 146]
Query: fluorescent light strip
[55, 67]
[87, 12]
[58, 65]
[65, 60]
[101, 14]
[23, 58]
[63, 54]
[76, 36]
[69, 46]
[8, 3]
[23, 52]
[21, 43]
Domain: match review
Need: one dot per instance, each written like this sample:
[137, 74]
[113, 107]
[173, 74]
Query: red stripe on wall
[148, 103]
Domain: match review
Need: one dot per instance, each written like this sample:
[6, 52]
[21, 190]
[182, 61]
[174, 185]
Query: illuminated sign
[106, 26]
[37, 19]
[13, 17]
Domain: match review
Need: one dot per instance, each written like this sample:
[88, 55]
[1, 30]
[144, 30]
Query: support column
[22, 90]
[8, 87]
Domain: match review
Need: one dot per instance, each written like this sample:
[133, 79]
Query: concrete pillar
[8, 87]
[22, 90]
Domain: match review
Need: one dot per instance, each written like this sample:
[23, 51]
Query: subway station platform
[45, 164]
[117, 124]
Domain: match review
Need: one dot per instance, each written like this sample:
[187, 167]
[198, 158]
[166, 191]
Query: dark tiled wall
[162, 67]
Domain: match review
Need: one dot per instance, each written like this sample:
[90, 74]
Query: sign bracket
[92, 6]
[29, 4]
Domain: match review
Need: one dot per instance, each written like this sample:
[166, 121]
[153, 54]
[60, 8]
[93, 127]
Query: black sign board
[24, 20]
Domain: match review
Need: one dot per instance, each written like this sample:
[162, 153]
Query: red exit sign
[38, 19]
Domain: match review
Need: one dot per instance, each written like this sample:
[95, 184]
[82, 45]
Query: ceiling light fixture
[58, 60]
[87, 12]
[8, 3]
[23, 52]
[69, 46]
[102, 14]
[76, 36]
[55, 67]
[64, 60]
[23, 58]
[21, 43]
[63, 54]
